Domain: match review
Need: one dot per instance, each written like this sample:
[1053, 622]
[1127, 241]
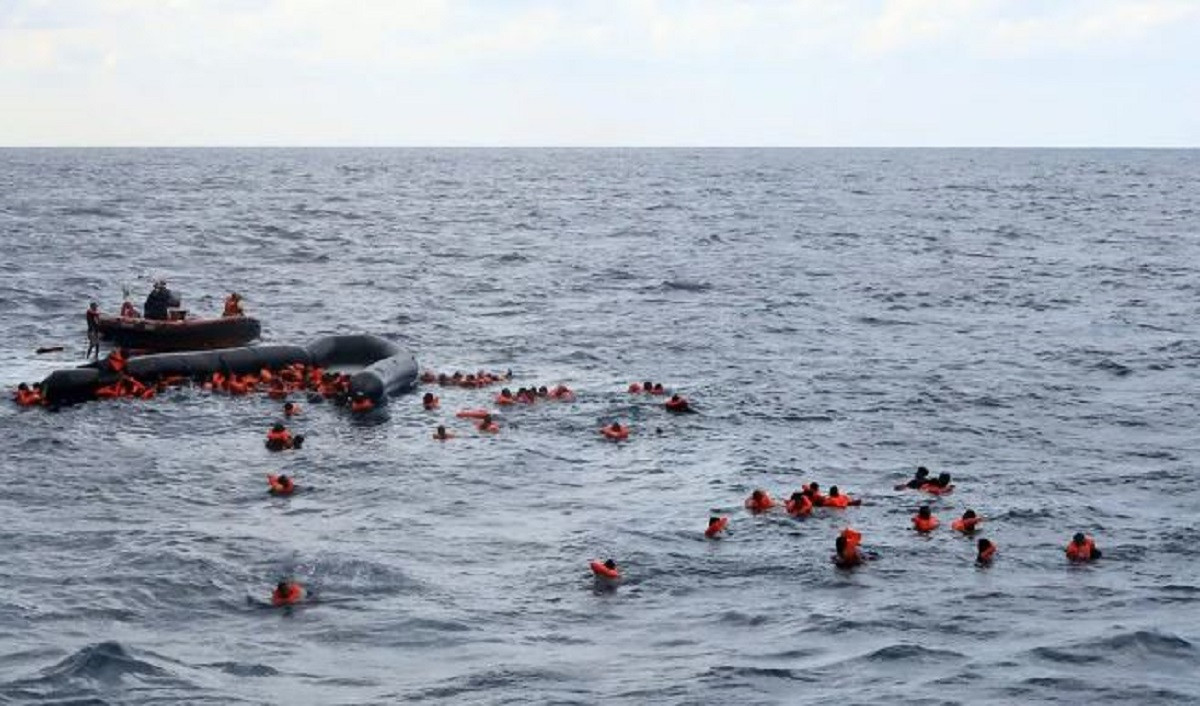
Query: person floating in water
[924, 521]
[287, 592]
[159, 302]
[441, 434]
[920, 479]
[279, 439]
[233, 305]
[1082, 548]
[987, 552]
[93, 331]
[678, 405]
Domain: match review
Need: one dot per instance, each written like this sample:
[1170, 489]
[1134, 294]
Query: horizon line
[594, 147]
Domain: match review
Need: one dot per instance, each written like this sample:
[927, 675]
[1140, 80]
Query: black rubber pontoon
[387, 369]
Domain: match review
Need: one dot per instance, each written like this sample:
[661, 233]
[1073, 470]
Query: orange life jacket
[837, 501]
[797, 508]
[116, 361]
[362, 405]
[281, 439]
[277, 487]
[599, 569]
[490, 428]
[619, 434]
[761, 504]
[924, 524]
[716, 528]
[505, 399]
[678, 405]
[966, 526]
[935, 489]
[472, 413]
[28, 398]
[108, 392]
[1081, 552]
[233, 307]
[853, 537]
[634, 388]
[987, 554]
[293, 595]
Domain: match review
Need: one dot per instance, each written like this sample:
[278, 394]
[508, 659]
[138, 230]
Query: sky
[600, 73]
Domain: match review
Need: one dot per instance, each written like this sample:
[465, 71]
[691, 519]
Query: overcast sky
[602, 72]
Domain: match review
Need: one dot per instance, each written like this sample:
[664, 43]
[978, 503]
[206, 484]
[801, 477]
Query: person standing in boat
[93, 331]
[159, 301]
[233, 305]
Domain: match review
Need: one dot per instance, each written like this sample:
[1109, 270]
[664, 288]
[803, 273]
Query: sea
[1023, 319]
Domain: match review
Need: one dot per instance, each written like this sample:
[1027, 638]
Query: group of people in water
[847, 550]
[319, 384]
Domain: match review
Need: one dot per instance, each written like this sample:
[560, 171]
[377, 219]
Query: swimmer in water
[920, 479]
[1082, 548]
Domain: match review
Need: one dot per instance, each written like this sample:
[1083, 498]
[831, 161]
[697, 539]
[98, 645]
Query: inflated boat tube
[387, 368]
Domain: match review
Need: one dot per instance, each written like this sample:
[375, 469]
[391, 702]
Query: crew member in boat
[233, 305]
[160, 301]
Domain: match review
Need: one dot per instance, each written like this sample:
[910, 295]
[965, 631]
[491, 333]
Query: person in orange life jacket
[967, 524]
[486, 424]
[924, 520]
[279, 438]
[27, 397]
[798, 505]
[939, 486]
[115, 362]
[659, 389]
[846, 554]
[287, 592]
[920, 479]
[93, 331]
[987, 551]
[759, 501]
[716, 525]
[678, 405]
[233, 306]
[361, 403]
[280, 485]
[1082, 548]
[813, 491]
[836, 499]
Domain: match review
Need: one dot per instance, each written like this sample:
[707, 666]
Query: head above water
[712, 520]
[93, 306]
[1079, 538]
[922, 471]
[441, 430]
[610, 564]
[284, 480]
[428, 397]
[983, 544]
[833, 491]
[943, 479]
[277, 427]
[924, 512]
[616, 426]
[969, 515]
[840, 544]
[288, 406]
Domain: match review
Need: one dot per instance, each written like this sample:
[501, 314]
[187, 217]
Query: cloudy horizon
[627, 73]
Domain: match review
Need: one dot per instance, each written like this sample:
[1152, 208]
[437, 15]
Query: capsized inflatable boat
[384, 368]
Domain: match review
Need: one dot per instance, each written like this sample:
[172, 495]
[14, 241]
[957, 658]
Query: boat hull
[186, 335]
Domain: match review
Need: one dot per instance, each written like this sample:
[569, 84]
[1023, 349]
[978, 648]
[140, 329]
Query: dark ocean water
[1026, 320]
